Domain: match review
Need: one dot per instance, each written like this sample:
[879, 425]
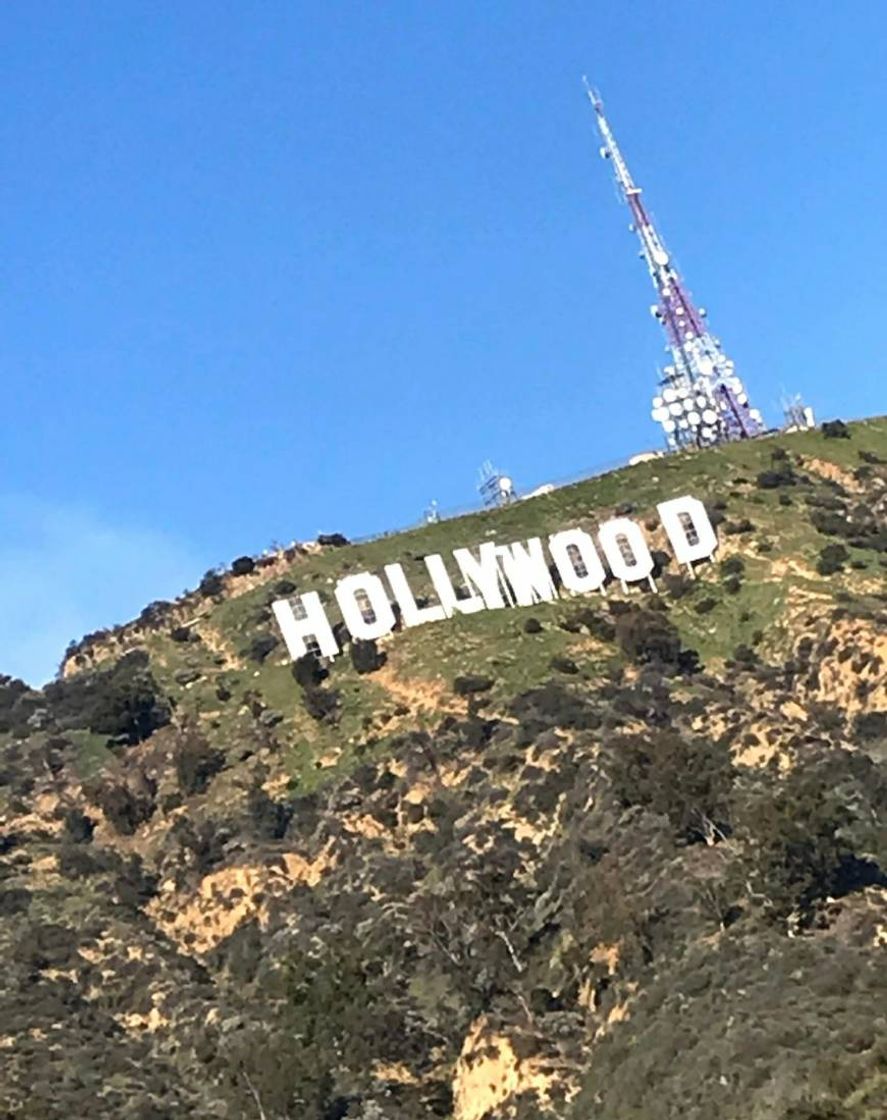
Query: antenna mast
[701, 401]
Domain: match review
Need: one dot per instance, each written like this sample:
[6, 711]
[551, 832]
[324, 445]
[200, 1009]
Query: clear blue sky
[273, 269]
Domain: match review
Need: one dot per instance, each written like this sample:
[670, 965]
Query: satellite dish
[669, 425]
[660, 257]
[669, 395]
[709, 416]
[695, 419]
[657, 402]
[659, 414]
[676, 408]
[505, 484]
[755, 414]
[742, 398]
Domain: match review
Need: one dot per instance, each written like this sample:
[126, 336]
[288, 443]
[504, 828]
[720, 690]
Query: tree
[687, 780]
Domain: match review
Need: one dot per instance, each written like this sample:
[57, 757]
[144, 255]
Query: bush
[332, 540]
[243, 566]
[123, 808]
[832, 559]
[469, 685]
[366, 657]
[77, 826]
[564, 665]
[308, 671]
[688, 781]
[123, 702]
[816, 835]
[733, 566]
[780, 474]
[705, 605]
[835, 429]
[268, 818]
[649, 638]
[195, 761]
[322, 704]
[261, 646]
[532, 626]
[736, 528]
[211, 585]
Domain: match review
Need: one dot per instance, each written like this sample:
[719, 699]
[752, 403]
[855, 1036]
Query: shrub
[832, 559]
[366, 657]
[564, 665]
[77, 826]
[732, 585]
[470, 684]
[123, 808]
[181, 634]
[269, 818]
[195, 761]
[835, 429]
[261, 646]
[778, 475]
[308, 671]
[332, 540]
[123, 702]
[677, 586]
[688, 781]
[322, 704]
[211, 585]
[705, 605]
[243, 566]
[736, 528]
[154, 613]
[816, 834]
[532, 626]
[649, 637]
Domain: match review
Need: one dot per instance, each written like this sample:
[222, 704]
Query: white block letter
[577, 560]
[443, 585]
[626, 550]
[482, 574]
[527, 572]
[311, 622]
[690, 533]
[413, 615]
[365, 606]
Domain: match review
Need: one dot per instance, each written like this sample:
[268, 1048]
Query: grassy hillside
[612, 856]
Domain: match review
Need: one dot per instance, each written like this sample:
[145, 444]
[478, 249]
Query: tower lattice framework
[701, 401]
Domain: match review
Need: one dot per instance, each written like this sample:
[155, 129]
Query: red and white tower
[701, 401]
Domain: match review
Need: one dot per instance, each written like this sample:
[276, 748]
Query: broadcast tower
[701, 402]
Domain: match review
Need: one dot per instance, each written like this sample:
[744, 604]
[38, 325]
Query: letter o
[376, 598]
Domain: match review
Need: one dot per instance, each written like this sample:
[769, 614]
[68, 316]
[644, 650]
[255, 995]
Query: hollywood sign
[496, 576]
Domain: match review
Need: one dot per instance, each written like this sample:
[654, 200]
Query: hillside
[615, 856]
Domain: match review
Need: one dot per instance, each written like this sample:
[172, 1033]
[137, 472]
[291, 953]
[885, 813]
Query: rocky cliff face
[606, 857]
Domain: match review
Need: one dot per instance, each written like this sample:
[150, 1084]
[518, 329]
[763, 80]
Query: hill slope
[605, 857]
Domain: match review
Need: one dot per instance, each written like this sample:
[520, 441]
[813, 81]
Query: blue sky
[274, 269]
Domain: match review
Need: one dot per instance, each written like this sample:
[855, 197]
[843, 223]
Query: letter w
[527, 572]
